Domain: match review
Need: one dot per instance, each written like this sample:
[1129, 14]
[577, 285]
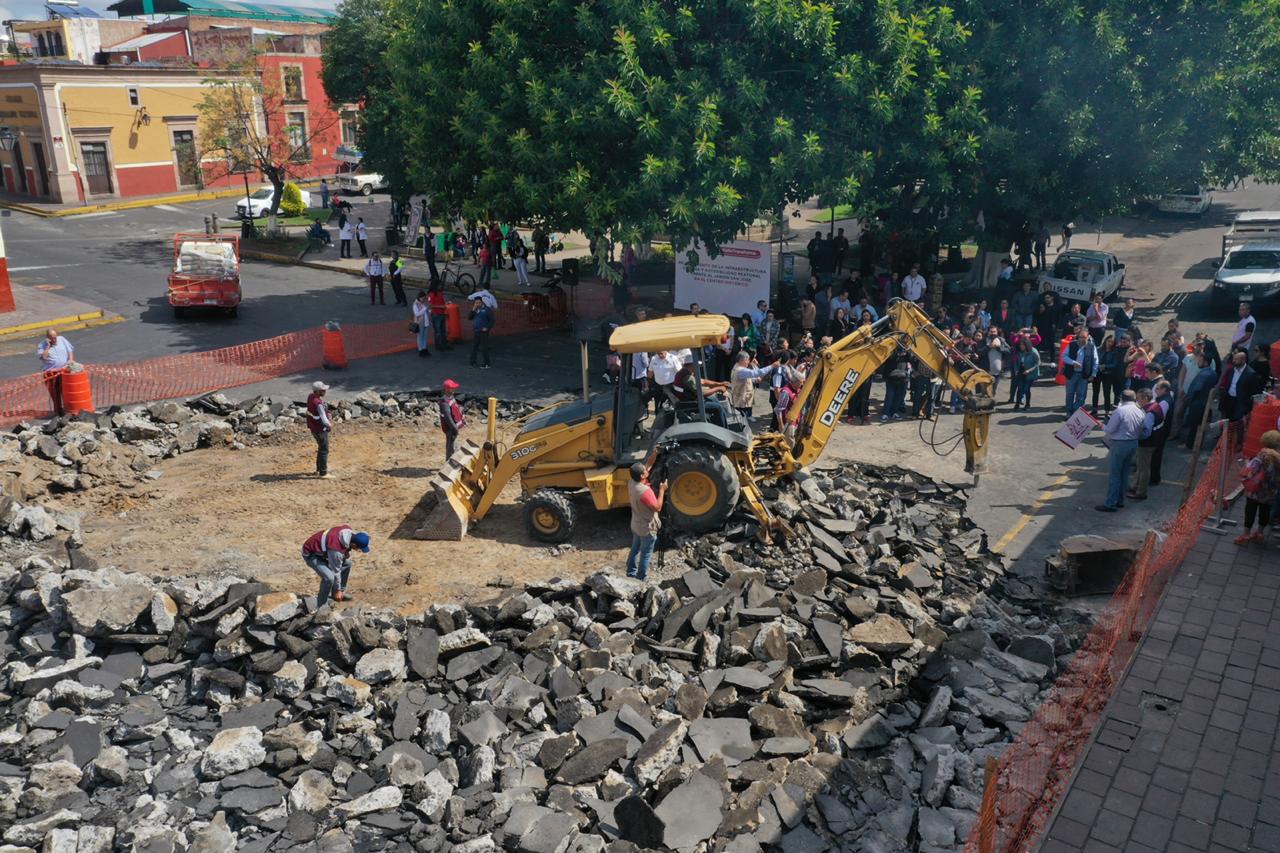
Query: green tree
[633, 118]
[1093, 104]
[356, 71]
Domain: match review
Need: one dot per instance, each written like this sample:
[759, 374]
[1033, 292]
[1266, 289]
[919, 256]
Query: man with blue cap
[328, 554]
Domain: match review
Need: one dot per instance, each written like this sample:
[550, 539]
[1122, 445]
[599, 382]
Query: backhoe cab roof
[670, 333]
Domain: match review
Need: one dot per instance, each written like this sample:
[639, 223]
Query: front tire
[466, 284]
[702, 489]
[367, 189]
[550, 516]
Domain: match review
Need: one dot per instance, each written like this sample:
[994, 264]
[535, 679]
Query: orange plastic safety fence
[1035, 770]
[189, 374]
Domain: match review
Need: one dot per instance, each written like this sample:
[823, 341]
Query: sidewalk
[1184, 756]
[50, 209]
[39, 309]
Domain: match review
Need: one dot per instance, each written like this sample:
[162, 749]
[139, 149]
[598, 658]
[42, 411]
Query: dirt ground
[249, 511]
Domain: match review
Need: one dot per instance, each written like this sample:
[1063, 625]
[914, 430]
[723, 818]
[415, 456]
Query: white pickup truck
[364, 183]
[1078, 274]
[1249, 273]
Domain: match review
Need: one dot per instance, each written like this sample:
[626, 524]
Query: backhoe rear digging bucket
[445, 510]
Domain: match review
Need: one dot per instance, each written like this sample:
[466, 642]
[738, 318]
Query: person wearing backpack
[1259, 479]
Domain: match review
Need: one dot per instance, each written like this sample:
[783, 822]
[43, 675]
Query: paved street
[1184, 758]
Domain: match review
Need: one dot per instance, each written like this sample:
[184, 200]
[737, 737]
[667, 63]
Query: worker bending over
[328, 554]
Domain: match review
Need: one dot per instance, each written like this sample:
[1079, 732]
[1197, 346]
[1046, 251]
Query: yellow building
[88, 133]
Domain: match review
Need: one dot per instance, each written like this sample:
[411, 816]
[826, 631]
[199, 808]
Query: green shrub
[662, 252]
[291, 200]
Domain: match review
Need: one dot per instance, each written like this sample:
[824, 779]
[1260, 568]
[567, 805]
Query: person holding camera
[645, 520]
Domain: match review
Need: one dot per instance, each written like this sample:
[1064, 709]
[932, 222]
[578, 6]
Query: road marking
[48, 267]
[91, 215]
[1045, 496]
[169, 207]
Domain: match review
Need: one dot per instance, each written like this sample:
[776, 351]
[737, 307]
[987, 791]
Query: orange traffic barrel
[1061, 378]
[1262, 418]
[335, 349]
[77, 396]
[453, 321]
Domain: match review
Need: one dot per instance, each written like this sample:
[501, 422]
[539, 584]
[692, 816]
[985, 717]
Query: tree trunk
[277, 185]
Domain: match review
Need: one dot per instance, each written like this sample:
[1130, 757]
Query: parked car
[1192, 200]
[1249, 273]
[1078, 274]
[259, 203]
[364, 183]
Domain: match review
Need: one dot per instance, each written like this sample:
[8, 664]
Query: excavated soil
[248, 512]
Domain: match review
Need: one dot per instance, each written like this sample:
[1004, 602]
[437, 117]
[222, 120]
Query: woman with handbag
[421, 314]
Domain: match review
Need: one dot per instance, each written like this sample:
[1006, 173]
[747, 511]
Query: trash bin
[393, 236]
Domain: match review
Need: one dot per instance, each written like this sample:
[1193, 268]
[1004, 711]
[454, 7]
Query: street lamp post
[7, 140]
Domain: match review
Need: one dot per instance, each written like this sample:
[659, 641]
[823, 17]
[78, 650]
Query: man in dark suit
[1236, 388]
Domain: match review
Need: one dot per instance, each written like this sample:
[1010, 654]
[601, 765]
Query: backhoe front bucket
[445, 510]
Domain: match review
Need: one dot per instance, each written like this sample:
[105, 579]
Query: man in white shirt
[55, 353]
[663, 367]
[914, 286]
[1243, 338]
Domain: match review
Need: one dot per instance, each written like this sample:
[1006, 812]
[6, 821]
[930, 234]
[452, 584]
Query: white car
[1078, 274]
[1192, 201]
[364, 183]
[259, 203]
[1249, 273]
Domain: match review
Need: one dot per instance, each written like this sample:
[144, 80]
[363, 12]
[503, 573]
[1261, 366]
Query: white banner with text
[730, 283]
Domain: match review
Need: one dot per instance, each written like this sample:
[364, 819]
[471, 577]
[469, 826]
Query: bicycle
[452, 274]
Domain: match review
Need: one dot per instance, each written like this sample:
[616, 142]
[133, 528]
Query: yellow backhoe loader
[707, 451]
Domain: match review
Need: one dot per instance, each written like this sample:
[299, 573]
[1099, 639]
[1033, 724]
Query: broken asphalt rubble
[840, 691]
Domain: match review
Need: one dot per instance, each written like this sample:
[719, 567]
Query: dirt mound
[248, 511]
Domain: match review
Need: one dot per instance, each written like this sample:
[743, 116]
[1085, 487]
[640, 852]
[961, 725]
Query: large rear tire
[702, 489]
[550, 516]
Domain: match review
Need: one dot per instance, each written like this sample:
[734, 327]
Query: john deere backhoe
[706, 450]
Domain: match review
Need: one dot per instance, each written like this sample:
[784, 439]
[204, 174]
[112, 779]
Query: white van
[1193, 201]
[1252, 226]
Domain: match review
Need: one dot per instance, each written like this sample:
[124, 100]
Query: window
[293, 83]
[297, 129]
[41, 50]
[134, 99]
[348, 123]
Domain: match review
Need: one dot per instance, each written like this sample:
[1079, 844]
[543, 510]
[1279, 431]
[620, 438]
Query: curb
[420, 283]
[129, 204]
[70, 322]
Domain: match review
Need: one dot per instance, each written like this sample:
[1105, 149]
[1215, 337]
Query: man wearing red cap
[450, 416]
[328, 554]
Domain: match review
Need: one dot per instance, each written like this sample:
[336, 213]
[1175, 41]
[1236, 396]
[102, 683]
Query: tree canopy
[690, 118]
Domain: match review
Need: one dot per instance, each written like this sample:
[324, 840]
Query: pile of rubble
[120, 446]
[840, 691]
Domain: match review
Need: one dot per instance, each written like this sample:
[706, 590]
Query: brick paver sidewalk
[1184, 759]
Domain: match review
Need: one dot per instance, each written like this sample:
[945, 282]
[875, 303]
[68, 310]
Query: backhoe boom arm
[842, 368]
